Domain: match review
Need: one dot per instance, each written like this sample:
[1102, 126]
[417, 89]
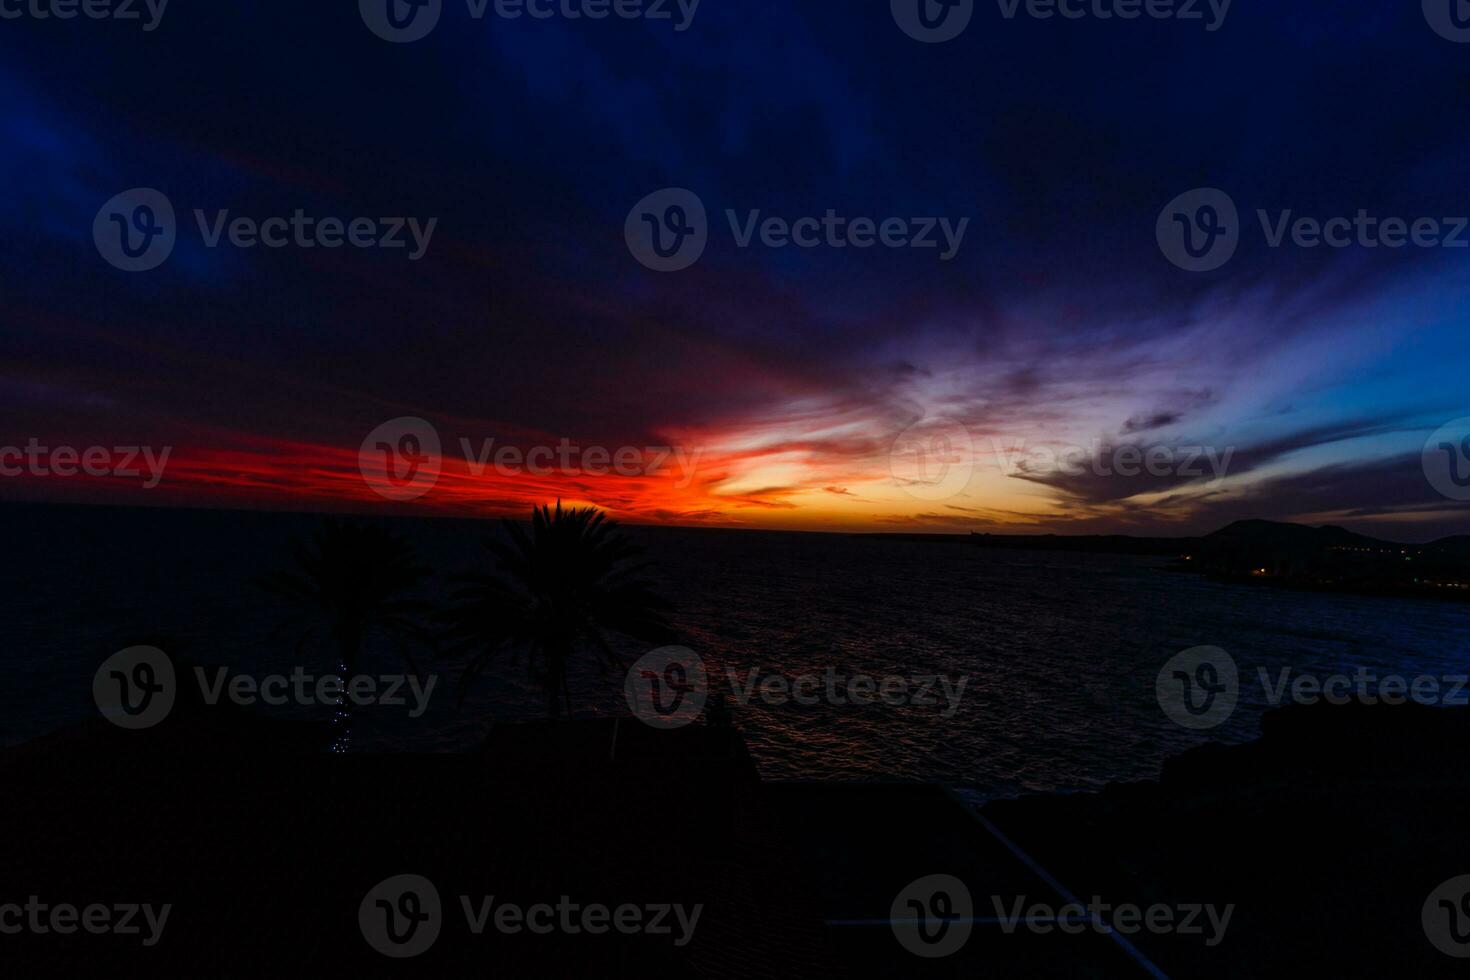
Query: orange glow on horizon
[734, 482]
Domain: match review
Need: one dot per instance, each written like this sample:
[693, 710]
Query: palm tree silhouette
[567, 583]
[352, 581]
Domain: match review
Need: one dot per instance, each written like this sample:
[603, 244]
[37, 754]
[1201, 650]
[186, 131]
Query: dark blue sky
[1059, 322]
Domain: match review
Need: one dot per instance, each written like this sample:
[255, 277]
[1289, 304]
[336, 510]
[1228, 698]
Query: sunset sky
[786, 375]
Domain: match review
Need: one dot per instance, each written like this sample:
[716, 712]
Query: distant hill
[1336, 559]
[1459, 545]
[1295, 555]
[1283, 534]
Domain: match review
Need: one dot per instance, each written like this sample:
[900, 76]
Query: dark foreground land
[1327, 836]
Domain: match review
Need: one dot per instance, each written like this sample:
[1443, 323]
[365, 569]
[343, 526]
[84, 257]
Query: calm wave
[1061, 651]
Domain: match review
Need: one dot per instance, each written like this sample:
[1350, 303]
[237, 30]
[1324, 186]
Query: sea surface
[1060, 652]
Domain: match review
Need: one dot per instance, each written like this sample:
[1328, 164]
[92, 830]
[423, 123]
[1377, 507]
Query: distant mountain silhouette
[1274, 532]
[1282, 533]
[1459, 544]
[1278, 552]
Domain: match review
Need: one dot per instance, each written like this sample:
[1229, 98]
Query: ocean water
[1059, 652]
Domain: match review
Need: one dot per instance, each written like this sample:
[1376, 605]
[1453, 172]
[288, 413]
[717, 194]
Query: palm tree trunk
[566, 690]
[556, 681]
[348, 642]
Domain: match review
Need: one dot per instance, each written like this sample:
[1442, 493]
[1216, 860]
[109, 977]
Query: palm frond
[565, 581]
